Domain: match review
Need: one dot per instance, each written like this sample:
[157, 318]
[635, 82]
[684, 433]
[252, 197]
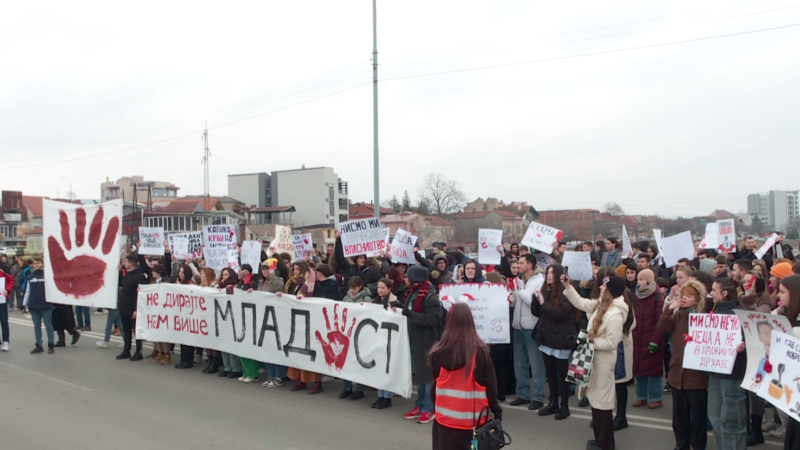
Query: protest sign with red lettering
[773, 238]
[488, 240]
[781, 383]
[366, 344]
[362, 237]
[283, 241]
[302, 245]
[727, 235]
[758, 328]
[151, 241]
[712, 342]
[489, 305]
[541, 237]
[403, 247]
[220, 236]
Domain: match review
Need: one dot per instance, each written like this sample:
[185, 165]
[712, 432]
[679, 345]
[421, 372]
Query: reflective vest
[459, 399]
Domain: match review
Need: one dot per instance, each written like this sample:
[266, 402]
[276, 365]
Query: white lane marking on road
[46, 376]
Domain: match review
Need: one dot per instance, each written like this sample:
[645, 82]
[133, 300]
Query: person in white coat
[526, 350]
[607, 317]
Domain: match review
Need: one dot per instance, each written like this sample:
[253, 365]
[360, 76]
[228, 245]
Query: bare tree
[614, 209]
[442, 196]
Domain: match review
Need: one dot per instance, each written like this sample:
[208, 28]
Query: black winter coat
[129, 293]
[327, 289]
[556, 325]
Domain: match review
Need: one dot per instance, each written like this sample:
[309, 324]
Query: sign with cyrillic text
[541, 237]
[712, 342]
[216, 258]
[251, 254]
[283, 241]
[195, 248]
[488, 240]
[727, 235]
[220, 236]
[489, 305]
[302, 245]
[151, 241]
[773, 238]
[780, 384]
[362, 237]
[403, 247]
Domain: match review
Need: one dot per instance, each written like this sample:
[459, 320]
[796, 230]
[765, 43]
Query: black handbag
[490, 435]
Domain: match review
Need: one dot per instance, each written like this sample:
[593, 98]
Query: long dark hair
[459, 338]
[602, 273]
[556, 289]
[792, 284]
[232, 278]
[187, 274]
[397, 279]
[727, 284]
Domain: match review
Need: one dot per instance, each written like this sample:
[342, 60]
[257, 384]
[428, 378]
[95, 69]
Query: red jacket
[9, 282]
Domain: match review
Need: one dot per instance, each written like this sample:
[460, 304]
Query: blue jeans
[423, 401]
[38, 317]
[84, 316]
[527, 354]
[232, 363]
[385, 394]
[727, 413]
[4, 321]
[348, 386]
[113, 318]
[649, 387]
[275, 371]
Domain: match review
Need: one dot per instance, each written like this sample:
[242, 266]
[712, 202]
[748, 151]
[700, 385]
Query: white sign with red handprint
[541, 237]
[302, 245]
[366, 344]
[82, 253]
[489, 305]
[488, 240]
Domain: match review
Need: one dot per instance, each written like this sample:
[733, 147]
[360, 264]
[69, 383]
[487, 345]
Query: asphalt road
[82, 398]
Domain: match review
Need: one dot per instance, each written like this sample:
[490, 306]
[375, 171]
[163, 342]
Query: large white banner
[220, 236]
[151, 241]
[82, 253]
[366, 344]
[403, 247]
[362, 237]
[541, 237]
[488, 240]
[489, 305]
[194, 246]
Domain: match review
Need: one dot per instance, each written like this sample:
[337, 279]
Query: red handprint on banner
[335, 350]
[84, 274]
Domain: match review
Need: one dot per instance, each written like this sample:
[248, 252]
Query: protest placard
[710, 238]
[579, 264]
[488, 240]
[369, 346]
[712, 344]
[773, 238]
[216, 258]
[220, 236]
[543, 261]
[362, 237]
[780, 384]
[727, 235]
[233, 259]
[151, 241]
[81, 253]
[302, 245]
[627, 250]
[489, 305]
[195, 248]
[283, 241]
[659, 243]
[676, 247]
[179, 246]
[403, 247]
[541, 237]
[758, 328]
[251, 254]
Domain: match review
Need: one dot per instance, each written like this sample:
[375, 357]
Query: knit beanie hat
[417, 274]
[616, 285]
[647, 275]
[782, 270]
[707, 265]
[272, 263]
[621, 270]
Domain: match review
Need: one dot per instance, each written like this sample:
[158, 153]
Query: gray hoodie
[364, 296]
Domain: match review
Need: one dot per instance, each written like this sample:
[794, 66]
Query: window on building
[343, 204]
[330, 193]
[330, 207]
[8, 230]
[159, 192]
[342, 188]
[342, 218]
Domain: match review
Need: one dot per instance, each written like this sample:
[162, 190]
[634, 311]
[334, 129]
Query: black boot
[563, 413]
[550, 409]
[620, 423]
[756, 436]
[207, 369]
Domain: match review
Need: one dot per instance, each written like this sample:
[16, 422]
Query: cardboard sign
[541, 237]
[727, 235]
[627, 249]
[151, 241]
[676, 247]
[488, 240]
[283, 241]
[251, 254]
[82, 253]
[781, 385]
[363, 237]
[195, 249]
[579, 264]
[714, 338]
[179, 247]
[366, 344]
[758, 328]
[403, 247]
[489, 305]
[767, 245]
[302, 245]
[216, 258]
[710, 239]
[220, 236]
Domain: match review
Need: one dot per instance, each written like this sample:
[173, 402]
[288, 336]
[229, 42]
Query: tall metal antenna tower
[206, 154]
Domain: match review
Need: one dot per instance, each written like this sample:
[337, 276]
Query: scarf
[422, 290]
[647, 291]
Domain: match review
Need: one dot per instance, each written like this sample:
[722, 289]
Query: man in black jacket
[136, 273]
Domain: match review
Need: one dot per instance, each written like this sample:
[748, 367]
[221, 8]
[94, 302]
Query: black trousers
[603, 428]
[792, 441]
[128, 325]
[187, 354]
[622, 401]
[689, 413]
[556, 370]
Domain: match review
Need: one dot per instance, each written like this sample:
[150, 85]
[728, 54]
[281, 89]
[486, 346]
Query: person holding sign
[689, 387]
[555, 333]
[789, 296]
[726, 398]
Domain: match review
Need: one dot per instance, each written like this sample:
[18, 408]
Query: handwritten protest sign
[233, 259]
[363, 343]
[195, 248]
[727, 235]
[773, 238]
[283, 241]
[758, 328]
[151, 241]
[543, 261]
[488, 240]
[302, 245]
[251, 254]
[579, 264]
[627, 250]
[403, 247]
[362, 237]
[676, 247]
[179, 246]
[541, 237]
[714, 338]
[489, 305]
[216, 258]
[220, 236]
[710, 238]
[780, 385]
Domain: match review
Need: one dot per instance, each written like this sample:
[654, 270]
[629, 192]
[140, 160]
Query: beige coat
[601, 390]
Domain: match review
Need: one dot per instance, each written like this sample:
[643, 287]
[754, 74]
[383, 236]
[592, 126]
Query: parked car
[8, 251]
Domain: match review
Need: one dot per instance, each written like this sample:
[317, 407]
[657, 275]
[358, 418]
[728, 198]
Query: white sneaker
[277, 382]
[102, 344]
[268, 383]
[779, 433]
[5, 347]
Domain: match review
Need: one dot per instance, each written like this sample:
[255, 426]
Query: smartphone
[566, 270]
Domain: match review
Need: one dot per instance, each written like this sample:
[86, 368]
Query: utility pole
[376, 169]
[206, 154]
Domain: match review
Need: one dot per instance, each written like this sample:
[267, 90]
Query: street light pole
[70, 188]
[376, 169]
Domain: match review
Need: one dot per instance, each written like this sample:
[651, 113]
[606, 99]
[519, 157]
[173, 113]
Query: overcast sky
[96, 89]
